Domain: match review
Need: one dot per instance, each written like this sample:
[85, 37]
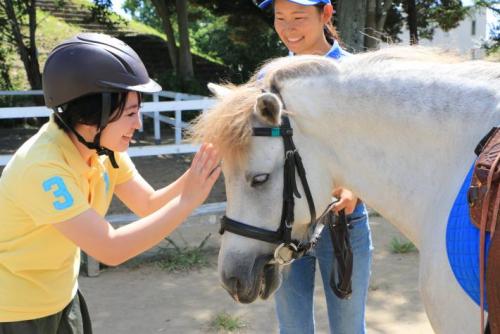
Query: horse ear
[268, 108]
[218, 90]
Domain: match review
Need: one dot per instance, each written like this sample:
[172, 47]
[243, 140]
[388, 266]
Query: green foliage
[169, 80]
[431, 14]
[394, 24]
[101, 11]
[143, 11]
[18, 30]
[493, 5]
[493, 45]
[225, 322]
[401, 246]
[5, 66]
[235, 33]
[242, 43]
[183, 258]
[239, 34]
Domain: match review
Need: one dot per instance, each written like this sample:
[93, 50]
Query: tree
[228, 31]
[238, 33]
[350, 21]
[493, 44]
[376, 17]
[185, 60]
[165, 15]
[424, 16]
[385, 19]
[143, 11]
[101, 11]
[493, 5]
[15, 14]
[5, 49]
[411, 9]
[241, 37]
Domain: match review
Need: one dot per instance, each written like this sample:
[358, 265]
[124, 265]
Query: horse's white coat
[401, 135]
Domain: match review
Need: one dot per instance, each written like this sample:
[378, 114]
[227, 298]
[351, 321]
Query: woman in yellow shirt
[55, 191]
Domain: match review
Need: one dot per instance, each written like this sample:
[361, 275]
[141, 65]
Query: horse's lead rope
[339, 232]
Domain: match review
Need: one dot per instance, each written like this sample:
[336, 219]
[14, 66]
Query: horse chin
[265, 280]
[271, 280]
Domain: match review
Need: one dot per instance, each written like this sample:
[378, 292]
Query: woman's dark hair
[329, 30]
[86, 110]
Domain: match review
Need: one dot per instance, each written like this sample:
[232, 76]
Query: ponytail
[329, 30]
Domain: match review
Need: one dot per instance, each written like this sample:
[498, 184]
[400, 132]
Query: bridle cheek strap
[293, 164]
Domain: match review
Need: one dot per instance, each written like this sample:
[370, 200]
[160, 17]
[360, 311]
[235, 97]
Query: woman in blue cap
[305, 27]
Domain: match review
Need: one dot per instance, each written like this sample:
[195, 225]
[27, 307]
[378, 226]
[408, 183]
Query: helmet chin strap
[95, 145]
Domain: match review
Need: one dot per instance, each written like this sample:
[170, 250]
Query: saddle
[484, 203]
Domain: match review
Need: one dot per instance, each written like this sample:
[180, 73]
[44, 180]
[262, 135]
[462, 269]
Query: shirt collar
[70, 151]
[335, 52]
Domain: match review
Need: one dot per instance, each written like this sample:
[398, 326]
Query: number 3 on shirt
[60, 192]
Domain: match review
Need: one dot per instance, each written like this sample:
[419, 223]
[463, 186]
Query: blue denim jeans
[294, 299]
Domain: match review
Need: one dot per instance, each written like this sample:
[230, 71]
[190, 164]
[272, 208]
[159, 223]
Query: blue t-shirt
[335, 52]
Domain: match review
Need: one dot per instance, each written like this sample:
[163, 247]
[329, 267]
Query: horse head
[253, 168]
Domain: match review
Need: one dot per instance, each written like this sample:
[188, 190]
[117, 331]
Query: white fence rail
[172, 114]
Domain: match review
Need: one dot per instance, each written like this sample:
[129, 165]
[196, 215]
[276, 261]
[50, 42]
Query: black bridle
[289, 249]
[293, 163]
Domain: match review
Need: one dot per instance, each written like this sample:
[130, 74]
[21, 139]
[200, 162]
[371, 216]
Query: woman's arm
[138, 195]
[93, 234]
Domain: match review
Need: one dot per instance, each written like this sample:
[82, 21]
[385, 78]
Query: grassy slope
[52, 30]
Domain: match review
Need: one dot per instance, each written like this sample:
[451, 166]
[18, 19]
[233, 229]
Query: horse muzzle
[246, 280]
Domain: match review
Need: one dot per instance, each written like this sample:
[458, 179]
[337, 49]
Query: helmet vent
[123, 62]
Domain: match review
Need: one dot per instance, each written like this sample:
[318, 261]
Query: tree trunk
[376, 16]
[28, 53]
[371, 32]
[6, 83]
[412, 22]
[351, 21]
[185, 57]
[383, 10]
[162, 10]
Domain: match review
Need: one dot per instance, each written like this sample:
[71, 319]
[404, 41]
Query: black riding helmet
[92, 63]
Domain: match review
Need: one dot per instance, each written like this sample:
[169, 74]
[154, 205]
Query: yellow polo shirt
[46, 182]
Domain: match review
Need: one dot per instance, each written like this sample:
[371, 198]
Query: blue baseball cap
[264, 4]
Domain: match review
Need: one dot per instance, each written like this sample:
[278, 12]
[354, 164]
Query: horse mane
[228, 125]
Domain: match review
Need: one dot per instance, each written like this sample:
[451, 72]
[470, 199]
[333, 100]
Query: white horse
[397, 126]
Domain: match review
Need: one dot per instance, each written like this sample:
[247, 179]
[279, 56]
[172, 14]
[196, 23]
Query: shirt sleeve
[50, 193]
[127, 168]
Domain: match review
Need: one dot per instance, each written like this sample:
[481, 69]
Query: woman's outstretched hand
[347, 200]
[201, 176]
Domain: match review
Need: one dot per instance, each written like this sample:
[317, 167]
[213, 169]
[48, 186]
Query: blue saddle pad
[462, 244]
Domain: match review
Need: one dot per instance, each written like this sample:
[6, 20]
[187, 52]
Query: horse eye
[259, 179]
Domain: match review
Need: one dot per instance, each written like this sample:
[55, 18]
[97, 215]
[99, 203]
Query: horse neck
[402, 147]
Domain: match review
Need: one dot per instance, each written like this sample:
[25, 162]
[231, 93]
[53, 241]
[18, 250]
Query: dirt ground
[142, 298]
[146, 299]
